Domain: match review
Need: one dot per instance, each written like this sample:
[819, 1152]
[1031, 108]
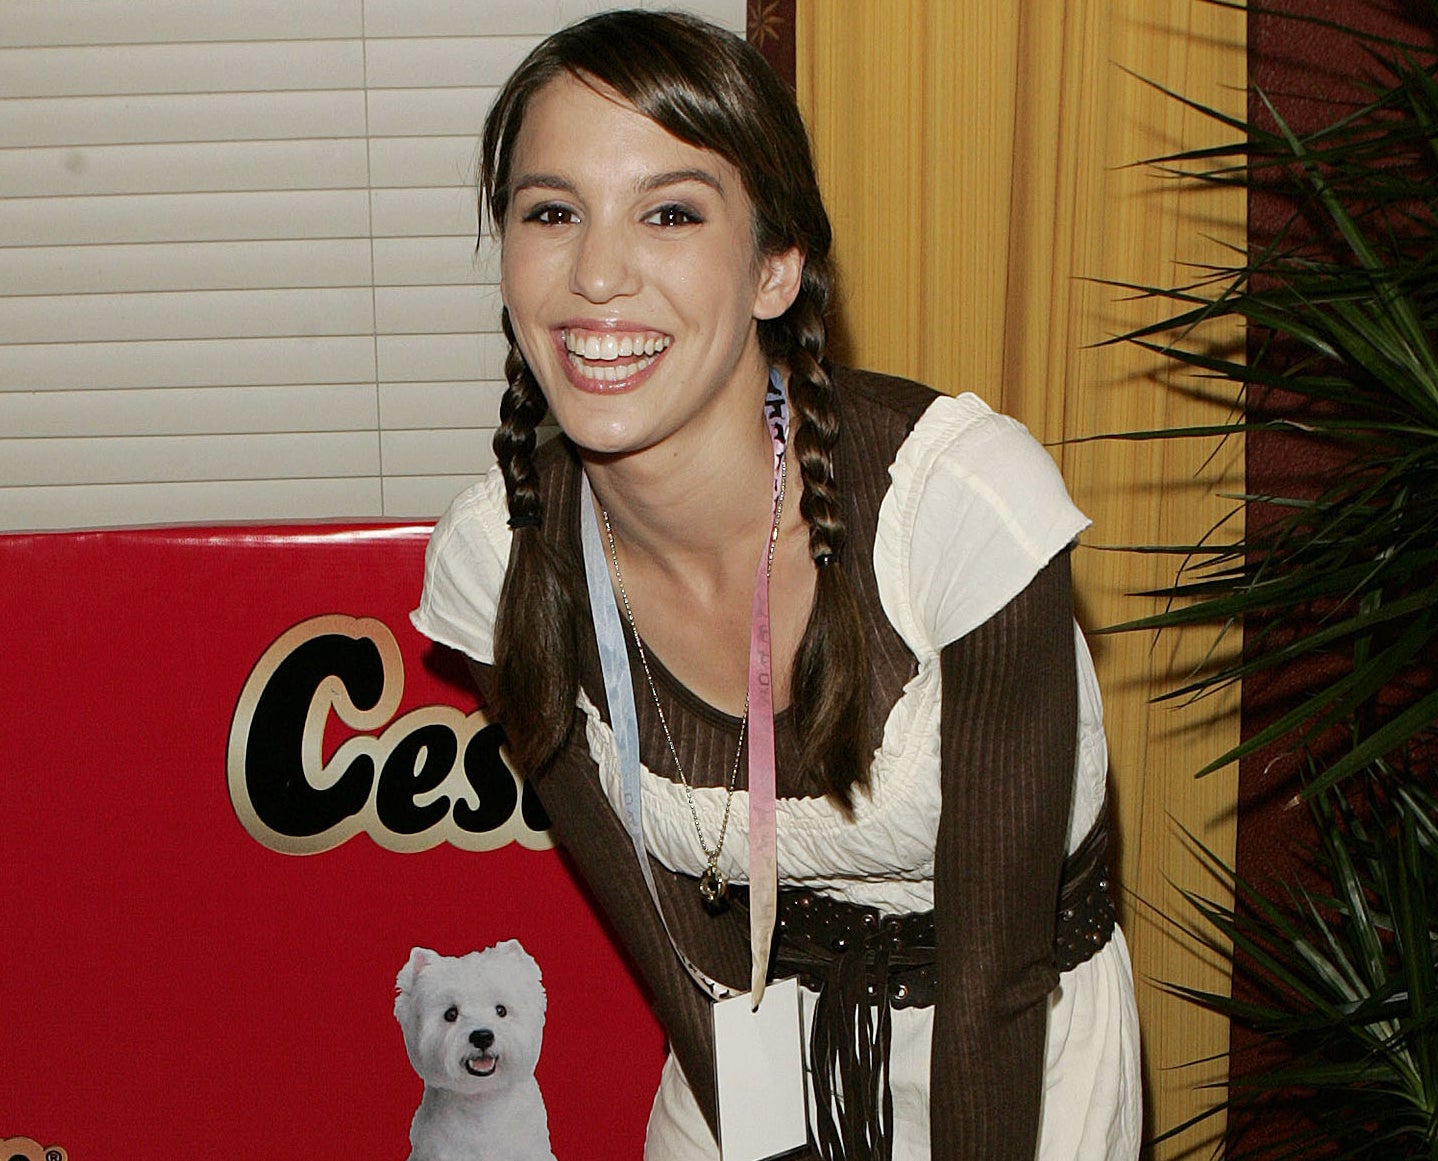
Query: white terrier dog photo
[472, 1028]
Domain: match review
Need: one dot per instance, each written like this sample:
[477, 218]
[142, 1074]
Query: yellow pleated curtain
[981, 163]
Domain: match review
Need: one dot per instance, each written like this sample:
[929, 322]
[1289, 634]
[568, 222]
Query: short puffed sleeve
[464, 568]
[975, 509]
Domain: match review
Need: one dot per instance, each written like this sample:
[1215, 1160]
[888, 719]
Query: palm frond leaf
[1344, 984]
[1341, 312]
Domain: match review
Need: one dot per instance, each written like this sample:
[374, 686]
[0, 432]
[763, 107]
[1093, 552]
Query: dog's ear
[514, 950]
[419, 959]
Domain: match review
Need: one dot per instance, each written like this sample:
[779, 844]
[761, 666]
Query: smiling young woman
[765, 631]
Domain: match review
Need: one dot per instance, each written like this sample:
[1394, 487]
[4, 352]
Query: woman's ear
[779, 276]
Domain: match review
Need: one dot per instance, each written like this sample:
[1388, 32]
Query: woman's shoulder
[464, 568]
[879, 397]
[975, 507]
[915, 437]
[883, 409]
[877, 414]
[468, 553]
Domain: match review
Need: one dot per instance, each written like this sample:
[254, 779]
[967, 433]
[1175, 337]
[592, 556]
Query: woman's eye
[550, 214]
[451, 1014]
[673, 215]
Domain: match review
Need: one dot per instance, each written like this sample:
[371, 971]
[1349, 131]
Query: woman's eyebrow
[543, 181]
[655, 181]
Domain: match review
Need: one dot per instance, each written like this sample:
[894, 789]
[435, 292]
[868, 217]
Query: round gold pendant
[713, 890]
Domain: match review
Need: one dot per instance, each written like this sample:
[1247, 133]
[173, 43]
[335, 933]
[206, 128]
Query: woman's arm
[1009, 729]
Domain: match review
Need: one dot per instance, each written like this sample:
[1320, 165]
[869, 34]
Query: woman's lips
[610, 360]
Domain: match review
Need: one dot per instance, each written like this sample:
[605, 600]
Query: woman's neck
[690, 525]
[695, 504]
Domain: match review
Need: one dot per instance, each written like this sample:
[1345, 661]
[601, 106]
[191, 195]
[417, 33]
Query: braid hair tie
[825, 559]
[517, 522]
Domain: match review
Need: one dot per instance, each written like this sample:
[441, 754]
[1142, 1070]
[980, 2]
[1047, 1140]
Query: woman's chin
[600, 440]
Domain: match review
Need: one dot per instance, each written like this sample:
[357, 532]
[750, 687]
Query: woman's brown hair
[712, 90]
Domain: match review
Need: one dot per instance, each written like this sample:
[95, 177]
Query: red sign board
[236, 789]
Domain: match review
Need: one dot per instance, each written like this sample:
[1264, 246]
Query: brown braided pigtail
[535, 656]
[830, 680]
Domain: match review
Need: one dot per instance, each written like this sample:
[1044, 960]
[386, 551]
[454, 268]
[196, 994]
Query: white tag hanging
[759, 1062]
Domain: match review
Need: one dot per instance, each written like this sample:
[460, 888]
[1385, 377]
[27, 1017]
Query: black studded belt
[1085, 920]
[815, 930]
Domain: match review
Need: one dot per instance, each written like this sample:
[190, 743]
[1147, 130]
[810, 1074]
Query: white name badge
[759, 1060]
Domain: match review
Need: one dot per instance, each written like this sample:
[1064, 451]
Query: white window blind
[238, 275]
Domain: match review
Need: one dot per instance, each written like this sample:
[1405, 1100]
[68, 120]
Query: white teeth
[595, 356]
[611, 372]
[609, 347]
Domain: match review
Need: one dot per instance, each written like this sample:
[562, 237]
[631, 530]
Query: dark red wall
[1310, 74]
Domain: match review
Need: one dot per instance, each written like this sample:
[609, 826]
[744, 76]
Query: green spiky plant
[1336, 580]
[1343, 979]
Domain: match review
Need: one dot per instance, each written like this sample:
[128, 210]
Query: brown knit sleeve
[600, 851]
[589, 830]
[1008, 736]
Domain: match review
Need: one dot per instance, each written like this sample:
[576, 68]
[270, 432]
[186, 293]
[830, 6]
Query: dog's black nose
[482, 1038]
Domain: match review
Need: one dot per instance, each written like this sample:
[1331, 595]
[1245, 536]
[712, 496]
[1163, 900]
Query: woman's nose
[603, 264]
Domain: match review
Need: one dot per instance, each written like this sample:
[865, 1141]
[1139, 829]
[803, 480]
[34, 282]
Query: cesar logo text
[434, 775]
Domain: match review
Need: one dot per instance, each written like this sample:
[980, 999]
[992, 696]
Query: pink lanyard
[763, 830]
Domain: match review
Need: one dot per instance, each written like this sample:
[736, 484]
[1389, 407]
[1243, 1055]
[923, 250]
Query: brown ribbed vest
[1008, 729]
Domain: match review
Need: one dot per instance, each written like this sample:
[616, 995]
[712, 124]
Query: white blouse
[975, 510]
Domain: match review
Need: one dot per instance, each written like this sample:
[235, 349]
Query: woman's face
[629, 271]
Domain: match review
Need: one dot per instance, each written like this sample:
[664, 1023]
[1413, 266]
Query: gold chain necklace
[713, 886]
